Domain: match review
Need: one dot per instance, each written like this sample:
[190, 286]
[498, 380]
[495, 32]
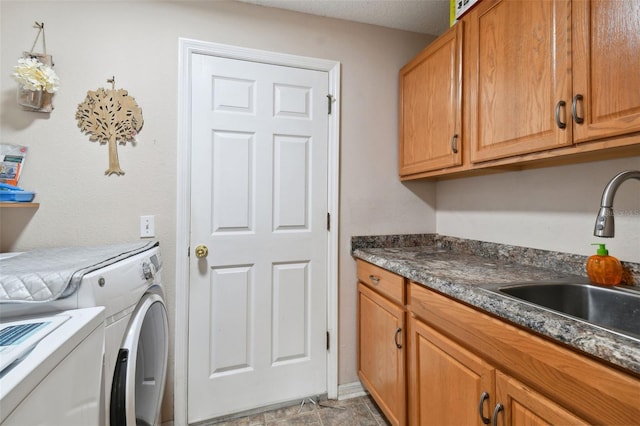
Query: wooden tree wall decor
[110, 116]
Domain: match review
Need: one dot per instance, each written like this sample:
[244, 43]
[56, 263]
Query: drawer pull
[483, 398]
[395, 338]
[560, 105]
[454, 143]
[374, 279]
[496, 411]
[574, 109]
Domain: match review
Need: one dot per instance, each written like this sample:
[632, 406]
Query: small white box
[462, 6]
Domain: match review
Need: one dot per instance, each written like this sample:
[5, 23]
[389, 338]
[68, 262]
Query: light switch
[147, 227]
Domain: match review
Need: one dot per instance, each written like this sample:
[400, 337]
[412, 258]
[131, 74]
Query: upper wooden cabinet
[519, 77]
[606, 68]
[544, 82]
[430, 106]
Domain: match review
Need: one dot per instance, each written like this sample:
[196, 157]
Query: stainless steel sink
[614, 308]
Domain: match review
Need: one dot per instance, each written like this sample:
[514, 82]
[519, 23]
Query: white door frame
[187, 48]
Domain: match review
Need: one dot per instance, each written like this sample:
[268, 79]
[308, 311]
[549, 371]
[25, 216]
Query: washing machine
[125, 279]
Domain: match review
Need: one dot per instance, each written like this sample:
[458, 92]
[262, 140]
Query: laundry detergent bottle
[604, 269]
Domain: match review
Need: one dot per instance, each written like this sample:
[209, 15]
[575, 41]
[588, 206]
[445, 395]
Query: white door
[258, 300]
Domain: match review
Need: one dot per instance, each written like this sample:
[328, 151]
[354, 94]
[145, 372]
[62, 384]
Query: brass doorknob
[202, 251]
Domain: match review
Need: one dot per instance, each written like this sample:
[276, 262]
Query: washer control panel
[150, 266]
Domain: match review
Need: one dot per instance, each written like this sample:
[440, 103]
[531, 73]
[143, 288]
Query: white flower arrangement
[32, 74]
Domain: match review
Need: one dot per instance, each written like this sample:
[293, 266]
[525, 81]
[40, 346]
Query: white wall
[137, 42]
[552, 208]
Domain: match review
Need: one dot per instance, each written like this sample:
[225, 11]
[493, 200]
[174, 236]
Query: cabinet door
[606, 42]
[381, 364]
[446, 382]
[525, 407]
[519, 74]
[430, 99]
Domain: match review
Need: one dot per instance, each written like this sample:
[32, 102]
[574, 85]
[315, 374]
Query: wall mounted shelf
[7, 204]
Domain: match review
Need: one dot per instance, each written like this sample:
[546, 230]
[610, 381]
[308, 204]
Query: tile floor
[360, 411]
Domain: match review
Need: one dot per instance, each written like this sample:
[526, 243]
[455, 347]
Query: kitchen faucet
[605, 226]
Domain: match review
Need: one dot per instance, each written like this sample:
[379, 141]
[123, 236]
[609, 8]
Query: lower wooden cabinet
[381, 355]
[518, 405]
[457, 354]
[450, 385]
[445, 380]
[427, 359]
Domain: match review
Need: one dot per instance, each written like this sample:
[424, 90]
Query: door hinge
[328, 221]
[188, 251]
[329, 102]
[328, 340]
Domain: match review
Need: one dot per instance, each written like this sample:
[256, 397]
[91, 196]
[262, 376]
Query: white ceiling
[422, 16]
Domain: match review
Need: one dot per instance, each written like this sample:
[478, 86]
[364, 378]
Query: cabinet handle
[454, 143]
[559, 105]
[574, 109]
[395, 338]
[494, 417]
[374, 279]
[483, 398]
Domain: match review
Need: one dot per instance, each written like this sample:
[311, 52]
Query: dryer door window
[139, 376]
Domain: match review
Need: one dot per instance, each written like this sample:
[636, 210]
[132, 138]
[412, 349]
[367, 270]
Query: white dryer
[129, 285]
[40, 382]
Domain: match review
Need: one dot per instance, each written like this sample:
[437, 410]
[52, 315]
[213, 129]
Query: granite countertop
[465, 269]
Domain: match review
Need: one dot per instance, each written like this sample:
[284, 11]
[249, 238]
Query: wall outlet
[147, 227]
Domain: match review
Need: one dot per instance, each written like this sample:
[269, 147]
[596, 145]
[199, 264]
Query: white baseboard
[351, 390]
[346, 391]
